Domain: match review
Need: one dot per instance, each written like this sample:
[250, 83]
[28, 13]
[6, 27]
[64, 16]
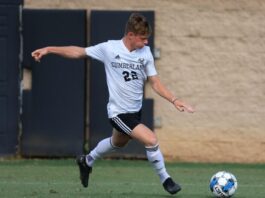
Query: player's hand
[39, 53]
[181, 106]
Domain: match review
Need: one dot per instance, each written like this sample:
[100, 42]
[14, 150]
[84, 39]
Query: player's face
[139, 41]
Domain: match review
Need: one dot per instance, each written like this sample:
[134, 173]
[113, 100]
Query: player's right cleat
[170, 186]
[84, 170]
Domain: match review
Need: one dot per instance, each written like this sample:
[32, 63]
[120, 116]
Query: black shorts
[126, 122]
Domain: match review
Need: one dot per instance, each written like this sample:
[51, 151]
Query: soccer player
[128, 64]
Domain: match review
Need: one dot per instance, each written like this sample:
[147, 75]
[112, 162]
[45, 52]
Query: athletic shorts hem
[126, 122]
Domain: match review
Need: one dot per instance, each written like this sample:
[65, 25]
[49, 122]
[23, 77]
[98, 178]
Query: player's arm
[67, 52]
[160, 89]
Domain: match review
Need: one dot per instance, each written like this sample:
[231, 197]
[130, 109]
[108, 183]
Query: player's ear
[130, 35]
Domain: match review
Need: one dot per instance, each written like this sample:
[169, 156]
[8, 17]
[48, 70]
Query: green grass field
[120, 179]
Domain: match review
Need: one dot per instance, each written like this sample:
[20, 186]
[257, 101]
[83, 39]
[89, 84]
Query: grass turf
[120, 179]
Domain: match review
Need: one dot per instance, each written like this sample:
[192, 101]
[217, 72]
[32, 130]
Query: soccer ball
[223, 184]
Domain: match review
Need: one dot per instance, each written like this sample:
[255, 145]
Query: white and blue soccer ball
[223, 184]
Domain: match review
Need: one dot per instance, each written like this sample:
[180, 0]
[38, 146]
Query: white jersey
[126, 73]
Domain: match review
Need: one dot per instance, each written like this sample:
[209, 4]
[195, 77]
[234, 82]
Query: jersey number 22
[128, 76]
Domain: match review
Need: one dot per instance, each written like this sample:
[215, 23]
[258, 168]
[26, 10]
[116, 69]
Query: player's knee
[152, 141]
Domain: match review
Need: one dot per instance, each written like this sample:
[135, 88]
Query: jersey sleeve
[150, 66]
[97, 51]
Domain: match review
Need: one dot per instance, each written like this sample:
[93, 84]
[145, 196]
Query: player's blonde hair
[138, 24]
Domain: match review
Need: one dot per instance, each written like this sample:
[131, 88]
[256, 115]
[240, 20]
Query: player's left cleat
[170, 186]
[84, 170]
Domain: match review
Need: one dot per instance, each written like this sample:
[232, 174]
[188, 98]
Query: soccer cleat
[170, 186]
[84, 170]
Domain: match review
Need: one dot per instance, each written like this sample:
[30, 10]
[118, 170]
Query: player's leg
[105, 146]
[153, 153]
[120, 139]
[154, 156]
[108, 145]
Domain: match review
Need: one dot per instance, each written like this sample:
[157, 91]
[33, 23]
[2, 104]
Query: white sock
[155, 157]
[104, 147]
